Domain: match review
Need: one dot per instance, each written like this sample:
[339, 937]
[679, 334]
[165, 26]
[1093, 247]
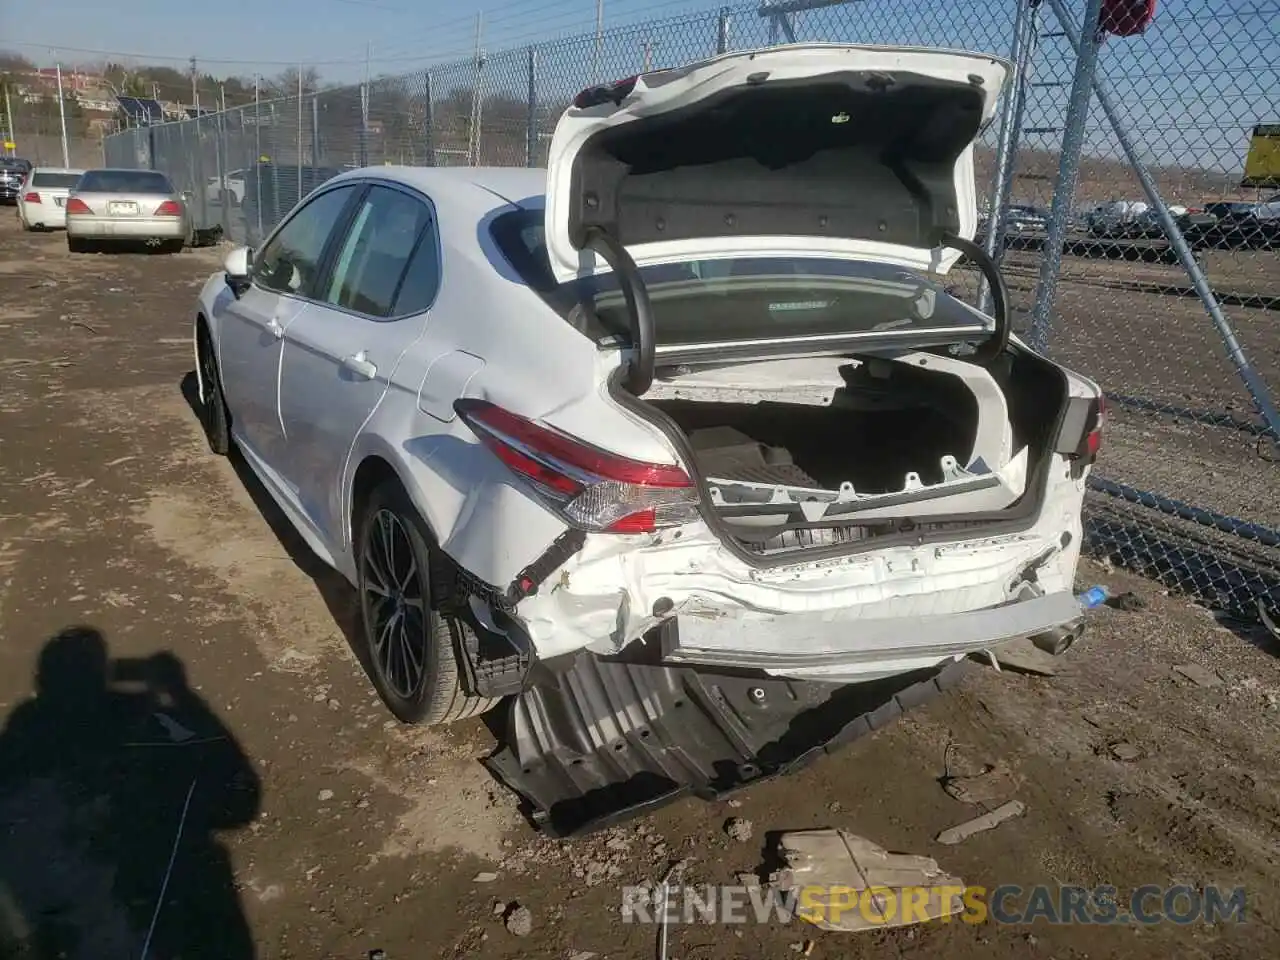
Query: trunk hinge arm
[639, 371]
[992, 348]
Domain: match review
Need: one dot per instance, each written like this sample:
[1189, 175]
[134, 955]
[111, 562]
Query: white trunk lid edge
[821, 150]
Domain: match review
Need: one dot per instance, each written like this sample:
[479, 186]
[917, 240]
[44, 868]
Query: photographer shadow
[114, 779]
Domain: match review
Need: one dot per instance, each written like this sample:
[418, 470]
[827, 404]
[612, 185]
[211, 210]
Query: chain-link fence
[1111, 187]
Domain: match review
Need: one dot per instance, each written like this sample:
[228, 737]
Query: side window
[368, 270]
[290, 262]
[422, 279]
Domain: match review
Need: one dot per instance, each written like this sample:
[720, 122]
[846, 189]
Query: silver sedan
[126, 206]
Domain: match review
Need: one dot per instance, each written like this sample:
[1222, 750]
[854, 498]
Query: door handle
[361, 365]
[274, 328]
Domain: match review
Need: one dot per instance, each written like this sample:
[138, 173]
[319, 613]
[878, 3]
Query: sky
[1191, 88]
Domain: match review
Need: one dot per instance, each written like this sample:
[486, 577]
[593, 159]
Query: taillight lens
[590, 488]
[170, 208]
[75, 205]
[1093, 439]
[31, 198]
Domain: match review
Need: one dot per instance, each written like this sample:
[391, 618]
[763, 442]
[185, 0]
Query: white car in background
[230, 186]
[695, 397]
[42, 201]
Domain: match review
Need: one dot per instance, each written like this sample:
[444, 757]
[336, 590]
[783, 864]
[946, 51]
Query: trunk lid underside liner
[608, 740]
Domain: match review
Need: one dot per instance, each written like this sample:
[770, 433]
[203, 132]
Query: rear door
[251, 328]
[341, 351]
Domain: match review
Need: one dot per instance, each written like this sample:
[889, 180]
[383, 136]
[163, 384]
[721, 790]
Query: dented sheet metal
[606, 740]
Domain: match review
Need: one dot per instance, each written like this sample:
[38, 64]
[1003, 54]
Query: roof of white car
[473, 190]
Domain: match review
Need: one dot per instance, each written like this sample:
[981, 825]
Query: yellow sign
[10, 145]
[1262, 166]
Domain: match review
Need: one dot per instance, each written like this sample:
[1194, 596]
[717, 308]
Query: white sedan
[695, 395]
[42, 202]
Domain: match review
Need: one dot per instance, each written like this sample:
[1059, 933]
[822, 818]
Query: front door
[251, 328]
[341, 352]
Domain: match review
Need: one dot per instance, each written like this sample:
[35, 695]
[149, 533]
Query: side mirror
[236, 269]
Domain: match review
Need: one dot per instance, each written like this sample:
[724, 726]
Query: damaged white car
[688, 420]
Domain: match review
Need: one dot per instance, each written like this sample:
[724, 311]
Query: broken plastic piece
[835, 865]
[988, 821]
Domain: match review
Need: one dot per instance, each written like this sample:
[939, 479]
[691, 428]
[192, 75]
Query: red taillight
[591, 488]
[76, 205]
[32, 197]
[1093, 439]
[170, 208]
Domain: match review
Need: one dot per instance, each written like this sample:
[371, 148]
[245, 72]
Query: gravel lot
[313, 826]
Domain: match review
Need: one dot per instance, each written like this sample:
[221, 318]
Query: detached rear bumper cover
[608, 740]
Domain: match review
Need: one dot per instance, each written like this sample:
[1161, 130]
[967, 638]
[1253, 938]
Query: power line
[551, 29]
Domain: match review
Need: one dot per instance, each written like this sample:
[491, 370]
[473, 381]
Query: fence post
[531, 121]
[1258, 390]
[722, 31]
[315, 129]
[429, 120]
[364, 124]
[1024, 38]
[1068, 169]
[220, 160]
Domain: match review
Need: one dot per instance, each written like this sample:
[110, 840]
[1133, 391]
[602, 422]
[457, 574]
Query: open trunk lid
[814, 150]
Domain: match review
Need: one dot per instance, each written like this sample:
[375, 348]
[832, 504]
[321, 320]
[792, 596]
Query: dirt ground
[170, 657]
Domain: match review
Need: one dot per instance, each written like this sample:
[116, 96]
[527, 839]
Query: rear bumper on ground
[133, 228]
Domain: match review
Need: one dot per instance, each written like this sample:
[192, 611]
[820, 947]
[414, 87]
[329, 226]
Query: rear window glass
[742, 299]
[53, 180]
[124, 181]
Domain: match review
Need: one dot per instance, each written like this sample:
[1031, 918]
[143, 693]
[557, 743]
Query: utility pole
[365, 93]
[62, 119]
[222, 93]
[648, 56]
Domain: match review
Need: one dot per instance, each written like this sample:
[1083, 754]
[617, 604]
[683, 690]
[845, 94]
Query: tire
[172, 246]
[214, 415]
[77, 245]
[392, 630]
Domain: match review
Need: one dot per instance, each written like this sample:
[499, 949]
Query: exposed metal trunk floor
[606, 740]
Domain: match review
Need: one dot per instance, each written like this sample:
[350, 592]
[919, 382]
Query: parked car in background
[567, 416]
[1192, 221]
[1114, 218]
[112, 206]
[13, 170]
[227, 188]
[42, 201]
[1020, 218]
